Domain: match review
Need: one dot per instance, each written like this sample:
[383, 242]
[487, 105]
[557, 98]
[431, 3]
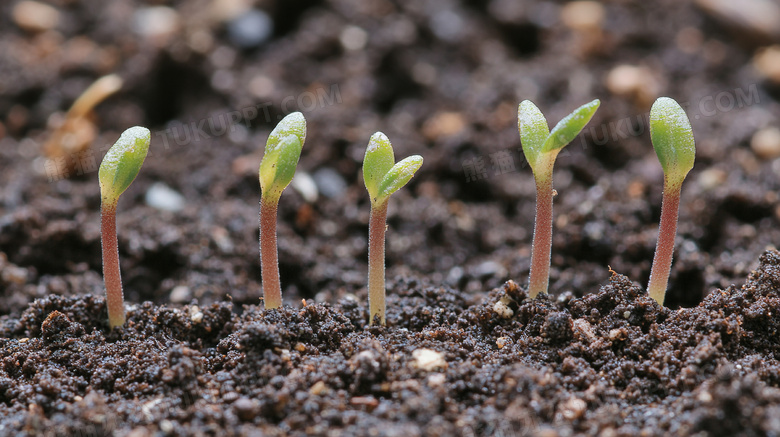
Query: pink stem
[376, 263]
[542, 244]
[111, 273]
[664, 250]
[269, 257]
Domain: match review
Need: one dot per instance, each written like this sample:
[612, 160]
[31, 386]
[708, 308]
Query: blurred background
[442, 78]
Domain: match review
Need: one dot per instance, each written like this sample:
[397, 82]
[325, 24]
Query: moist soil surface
[464, 352]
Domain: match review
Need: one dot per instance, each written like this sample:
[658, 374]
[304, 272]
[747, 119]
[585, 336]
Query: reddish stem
[111, 273]
[542, 243]
[664, 249]
[269, 256]
[376, 263]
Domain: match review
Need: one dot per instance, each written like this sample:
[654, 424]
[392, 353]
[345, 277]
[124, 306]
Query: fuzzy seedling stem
[111, 274]
[541, 250]
[383, 177]
[664, 249]
[269, 264]
[541, 147]
[672, 136]
[376, 261]
[282, 152]
[119, 168]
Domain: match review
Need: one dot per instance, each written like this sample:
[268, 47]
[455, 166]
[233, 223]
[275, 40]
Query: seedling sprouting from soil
[383, 177]
[672, 136]
[541, 147]
[77, 130]
[282, 151]
[119, 168]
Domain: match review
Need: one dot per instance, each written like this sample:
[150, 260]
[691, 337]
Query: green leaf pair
[382, 175]
[122, 163]
[282, 152]
[672, 136]
[537, 139]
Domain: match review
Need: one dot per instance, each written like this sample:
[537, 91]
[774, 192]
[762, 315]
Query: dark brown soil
[442, 78]
[611, 362]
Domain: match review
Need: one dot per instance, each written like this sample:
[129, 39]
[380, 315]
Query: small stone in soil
[251, 29]
[35, 17]
[246, 409]
[329, 182]
[428, 360]
[180, 294]
[766, 143]
[164, 198]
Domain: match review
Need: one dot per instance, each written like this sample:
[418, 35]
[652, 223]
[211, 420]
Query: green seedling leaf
[121, 164]
[282, 152]
[672, 136]
[533, 130]
[399, 175]
[570, 126]
[379, 159]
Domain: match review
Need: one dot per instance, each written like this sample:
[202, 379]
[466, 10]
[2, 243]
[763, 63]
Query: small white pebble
[318, 388]
[503, 310]
[35, 17]
[428, 360]
[180, 294]
[767, 62]
[164, 198]
[616, 334]
[436, 379]
[195, 314]
[712, 178]
[156, 23]
[304, 184]
[502, 342]
[574, 409]
[166, 426]
[766, 143]
[632, 81]
[584, 330]
[14, 274]
[353, 38]
[583, 15]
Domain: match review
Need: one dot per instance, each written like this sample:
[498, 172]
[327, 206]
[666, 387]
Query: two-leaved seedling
[672, 136]
[541, 147]
[383, 177]
[670, 132]
[119, 168]
[282, 152]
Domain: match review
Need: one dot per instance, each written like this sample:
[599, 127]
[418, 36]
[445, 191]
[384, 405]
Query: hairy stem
[269, 256]
[664, 249]
[542, 243]
[111, 273]
[376, 262]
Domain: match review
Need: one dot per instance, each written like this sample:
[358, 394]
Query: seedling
[119, 168]
[383, 177]
[75, 133]
[282, 151]
[672, 136]
[541, 147]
